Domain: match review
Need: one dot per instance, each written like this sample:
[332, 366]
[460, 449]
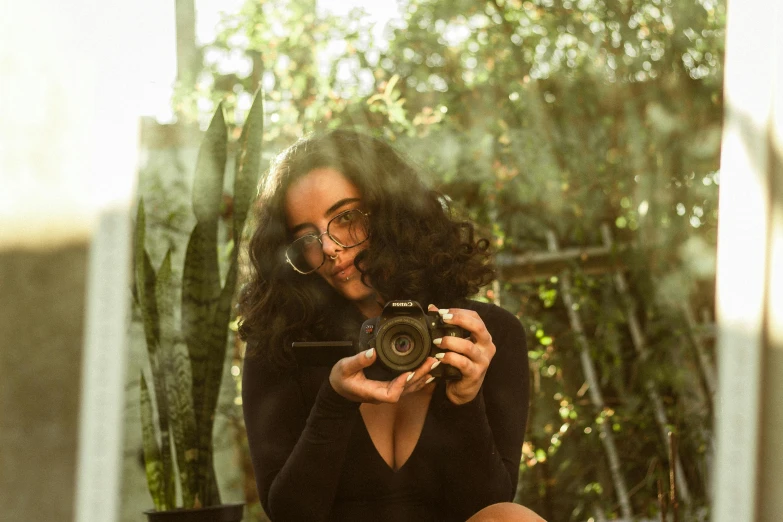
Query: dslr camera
[402, 337]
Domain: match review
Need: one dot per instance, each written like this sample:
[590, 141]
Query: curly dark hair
[418, 250]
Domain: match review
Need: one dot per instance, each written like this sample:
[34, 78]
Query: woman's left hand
[470, 356]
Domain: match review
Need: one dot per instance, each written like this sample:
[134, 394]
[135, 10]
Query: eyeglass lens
[347, 229]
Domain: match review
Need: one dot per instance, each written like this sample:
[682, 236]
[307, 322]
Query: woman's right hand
[347, 378]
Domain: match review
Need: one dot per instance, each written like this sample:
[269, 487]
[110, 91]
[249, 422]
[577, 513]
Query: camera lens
[402, 344]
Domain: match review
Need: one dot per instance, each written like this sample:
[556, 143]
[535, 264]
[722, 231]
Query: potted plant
[187, 338]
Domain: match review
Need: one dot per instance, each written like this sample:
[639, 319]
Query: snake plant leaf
[210, 169]
[164, 300]
[182, 401]
[248, 163]
[201, 276]
[145, 290]
[200, 293]
[223, 309]
[153, 465]
[145, 282]
[208, 352]
[176, 370]
[219, 339]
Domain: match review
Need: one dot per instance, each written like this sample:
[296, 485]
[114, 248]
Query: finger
[419, 382]
[376, 392]
[427, 379]
[466, 366]
[468, 320]
[455, 311]
[417, 379]
[421, 373]
[459, 345]
[358, 362]
[432, 308]
[419, 385]
[391, 391]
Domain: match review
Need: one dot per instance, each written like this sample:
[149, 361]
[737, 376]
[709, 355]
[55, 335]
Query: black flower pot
[221, 513]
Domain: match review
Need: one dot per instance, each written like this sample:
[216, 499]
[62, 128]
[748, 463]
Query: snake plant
[187, 339]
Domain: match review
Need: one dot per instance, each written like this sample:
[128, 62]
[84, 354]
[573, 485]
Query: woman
[344, 226]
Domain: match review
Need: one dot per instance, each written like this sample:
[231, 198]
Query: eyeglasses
[347, 229]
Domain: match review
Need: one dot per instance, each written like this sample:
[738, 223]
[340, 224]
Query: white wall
[749, 416]
[71, 83]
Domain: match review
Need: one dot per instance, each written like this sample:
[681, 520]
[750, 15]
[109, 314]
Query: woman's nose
[331, 248]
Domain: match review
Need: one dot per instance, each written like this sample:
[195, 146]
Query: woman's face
[310, 203]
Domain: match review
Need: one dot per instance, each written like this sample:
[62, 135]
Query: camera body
[402, 337]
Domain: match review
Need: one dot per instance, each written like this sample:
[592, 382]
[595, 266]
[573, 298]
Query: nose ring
[332, 257]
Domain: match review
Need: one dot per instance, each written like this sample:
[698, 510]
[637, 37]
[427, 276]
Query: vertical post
[103, 371]
[705, 363]
[749, 412]
[673, 472]
[119, 56]
[640, 344]
[770, 495]
[697, 333]
[661, 501]
[594, 388]
[187, 53]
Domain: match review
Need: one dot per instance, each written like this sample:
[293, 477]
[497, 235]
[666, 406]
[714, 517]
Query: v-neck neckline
[377, 454]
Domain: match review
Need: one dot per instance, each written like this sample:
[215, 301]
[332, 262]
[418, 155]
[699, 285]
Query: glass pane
[349, 229]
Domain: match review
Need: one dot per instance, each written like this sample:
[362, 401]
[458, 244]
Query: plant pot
[221, 513]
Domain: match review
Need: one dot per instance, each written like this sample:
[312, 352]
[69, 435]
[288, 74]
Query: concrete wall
[41, 323]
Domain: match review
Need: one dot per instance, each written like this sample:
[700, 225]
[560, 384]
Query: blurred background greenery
[540, 119]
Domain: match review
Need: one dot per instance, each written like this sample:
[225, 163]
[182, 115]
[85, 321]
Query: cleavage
[395, 429]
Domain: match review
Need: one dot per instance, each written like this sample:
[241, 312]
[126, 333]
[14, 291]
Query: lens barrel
[403, 343]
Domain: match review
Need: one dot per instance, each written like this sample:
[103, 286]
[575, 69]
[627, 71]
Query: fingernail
[443, 311]
[437, 341]
[368, 353]
[436, 363]
[410, 376]
[432, 306]
[446, 317]
[432, 378]
[440, 355]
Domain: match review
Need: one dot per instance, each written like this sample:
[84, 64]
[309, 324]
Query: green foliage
[187, 340]
[536, 115]
[162, 493]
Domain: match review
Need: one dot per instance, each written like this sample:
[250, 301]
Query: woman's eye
[309, 239]
[347, 217]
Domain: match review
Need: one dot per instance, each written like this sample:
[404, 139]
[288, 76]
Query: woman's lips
[344, 272]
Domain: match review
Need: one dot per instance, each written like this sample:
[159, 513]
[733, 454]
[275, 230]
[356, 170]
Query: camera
[402, 337]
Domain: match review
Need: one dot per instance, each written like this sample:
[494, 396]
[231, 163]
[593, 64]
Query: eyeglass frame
[366, 216]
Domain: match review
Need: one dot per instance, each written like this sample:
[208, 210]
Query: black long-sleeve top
[314, 459]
